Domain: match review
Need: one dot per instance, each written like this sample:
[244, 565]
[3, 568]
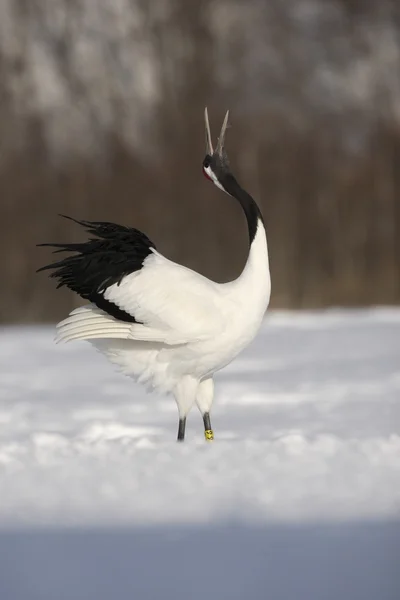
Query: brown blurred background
[101, 118]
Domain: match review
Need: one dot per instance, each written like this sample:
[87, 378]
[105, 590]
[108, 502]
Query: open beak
[220, 144]
[209, 146]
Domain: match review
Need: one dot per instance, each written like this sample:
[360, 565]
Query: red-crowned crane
[163, 324]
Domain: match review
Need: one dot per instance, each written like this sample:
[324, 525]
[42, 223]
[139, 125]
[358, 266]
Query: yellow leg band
[209, 434]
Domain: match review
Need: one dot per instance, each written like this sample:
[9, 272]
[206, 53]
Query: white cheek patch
[214, 179]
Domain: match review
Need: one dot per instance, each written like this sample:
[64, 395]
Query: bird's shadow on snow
[357, 561]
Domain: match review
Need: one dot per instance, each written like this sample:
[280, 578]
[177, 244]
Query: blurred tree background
[101, 118]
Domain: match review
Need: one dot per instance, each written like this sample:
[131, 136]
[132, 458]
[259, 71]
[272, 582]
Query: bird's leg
[204, 398]
[208, 432]
[181, 429]
[185, 395]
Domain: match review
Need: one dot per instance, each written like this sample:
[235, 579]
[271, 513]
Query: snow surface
[298, 497]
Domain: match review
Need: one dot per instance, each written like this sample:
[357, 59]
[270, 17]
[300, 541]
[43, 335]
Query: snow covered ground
[298, 497]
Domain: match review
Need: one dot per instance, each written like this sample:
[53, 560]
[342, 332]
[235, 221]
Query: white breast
[243, 303]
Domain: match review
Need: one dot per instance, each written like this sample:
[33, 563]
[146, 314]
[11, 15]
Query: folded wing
[168, 297]
[134, 292]
[168, 304]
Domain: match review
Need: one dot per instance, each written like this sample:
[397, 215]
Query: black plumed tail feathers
[112, 252]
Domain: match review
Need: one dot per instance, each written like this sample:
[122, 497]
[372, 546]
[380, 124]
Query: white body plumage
[192, 327]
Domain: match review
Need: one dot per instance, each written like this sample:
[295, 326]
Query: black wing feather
[103, 260]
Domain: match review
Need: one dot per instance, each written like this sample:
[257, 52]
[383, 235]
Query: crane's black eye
[207, 161]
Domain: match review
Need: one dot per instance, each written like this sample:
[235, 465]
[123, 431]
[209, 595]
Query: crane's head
[216, 164]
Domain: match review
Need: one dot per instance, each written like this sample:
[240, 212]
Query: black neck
[250, 207]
